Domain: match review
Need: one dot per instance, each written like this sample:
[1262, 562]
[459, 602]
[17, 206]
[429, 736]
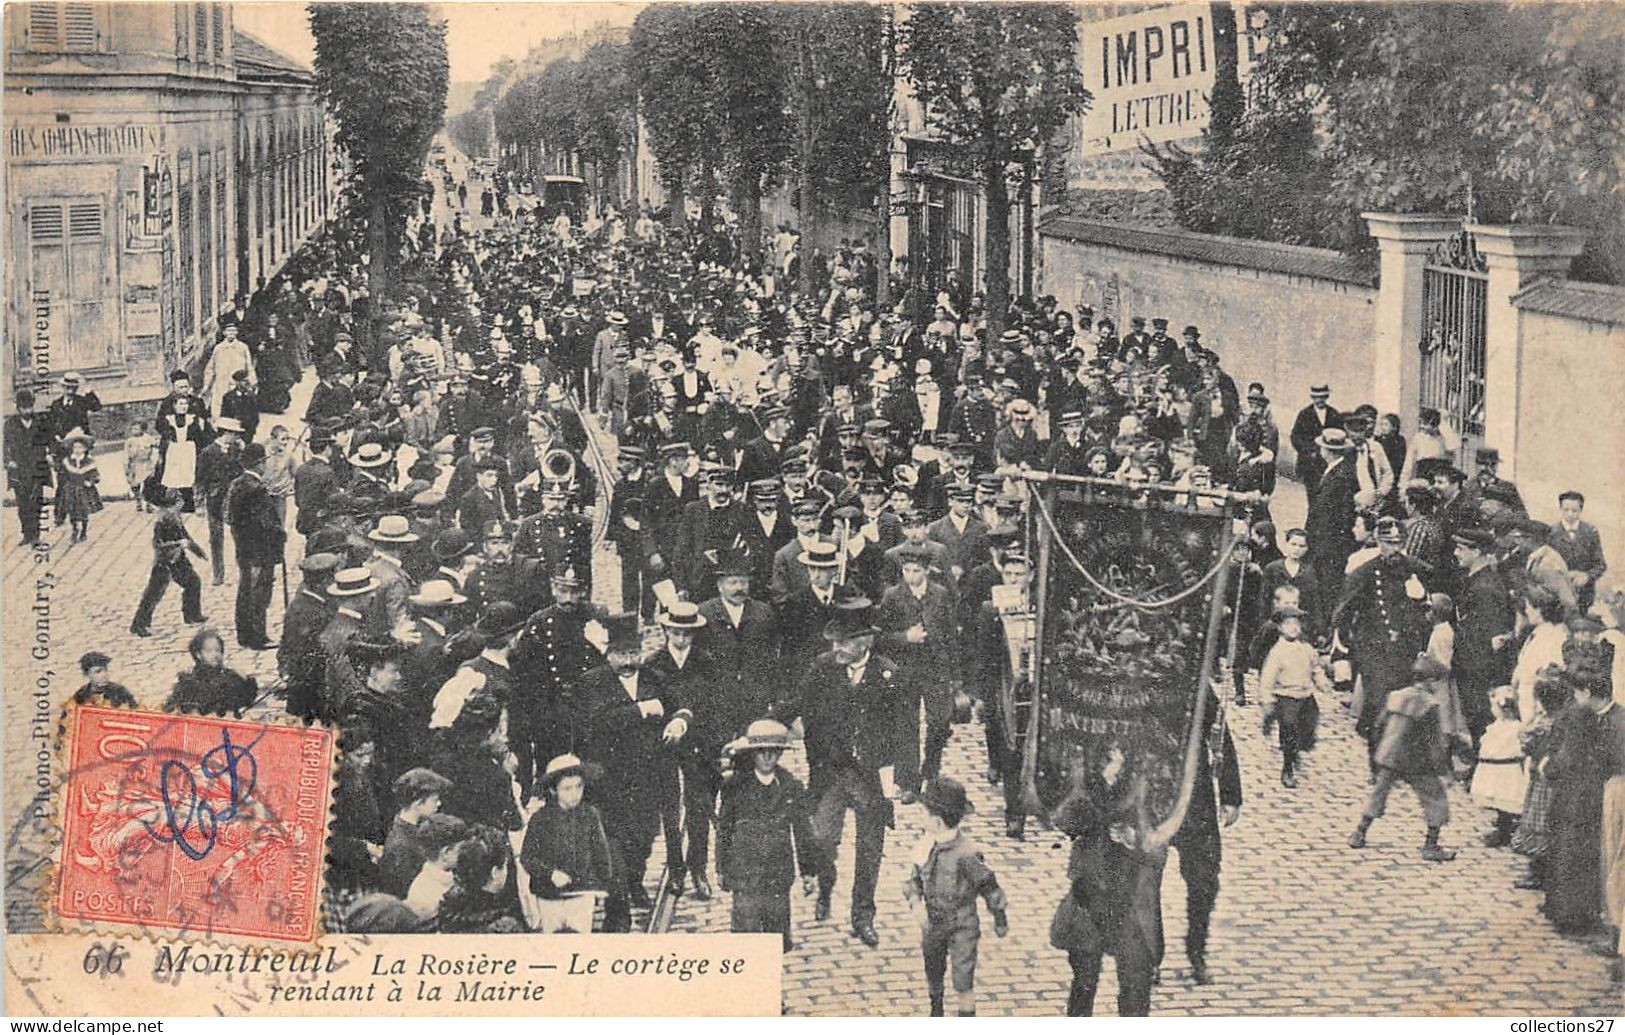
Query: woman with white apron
[177, 435]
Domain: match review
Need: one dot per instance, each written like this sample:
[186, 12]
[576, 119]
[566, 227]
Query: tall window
[217, 17]
[186, 270]
[62, 27]
[205, 241]
[200, 28]
[69, 268]
[222, 246]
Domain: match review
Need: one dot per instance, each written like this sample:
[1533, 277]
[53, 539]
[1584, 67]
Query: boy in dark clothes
[947, 877]
[94, 666]
[764, 833]
[417, 796]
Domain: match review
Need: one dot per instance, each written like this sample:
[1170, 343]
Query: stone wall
[1571, 433]
[1279, 314]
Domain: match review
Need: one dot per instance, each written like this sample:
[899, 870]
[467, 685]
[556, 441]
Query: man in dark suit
[558, 537]
[1580, 547]
[805, 611]
[461, 411]
[314, 483]
[744, 637]
[664, 500]
[920, 629]
[300, 659]
[708, 528]
[256, 532]
[1306, 429]
[28, 463]
[852, 705]
[1198, 843]
[1484, 621]
[331, 398]
[629, 723]
[763, 455]
[765, 528]
[218, 466]
[483, 502]
[964, 536]
[1330, 522]
[693, 676]
[465, 472]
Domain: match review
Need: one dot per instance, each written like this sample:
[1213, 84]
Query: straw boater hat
[1334, 439]
[437, 593]
[682, 614]
[393, 528]
[763, 734]
[564, 766]
[370, 454]
[352, 582]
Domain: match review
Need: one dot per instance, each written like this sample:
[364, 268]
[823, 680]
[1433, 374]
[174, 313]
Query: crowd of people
[819, 506]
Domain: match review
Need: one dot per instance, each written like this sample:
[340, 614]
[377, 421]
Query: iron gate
[1454, 294]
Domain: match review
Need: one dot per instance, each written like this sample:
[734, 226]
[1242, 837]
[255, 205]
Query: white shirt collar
[679, 656]
[736, 613]
[630, 683]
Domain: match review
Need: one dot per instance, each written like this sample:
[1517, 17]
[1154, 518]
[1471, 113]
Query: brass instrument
[559, 466]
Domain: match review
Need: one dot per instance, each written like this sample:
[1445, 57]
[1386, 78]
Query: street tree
[673, 97]
[1509, 112]
[381, 70]
[999, 80]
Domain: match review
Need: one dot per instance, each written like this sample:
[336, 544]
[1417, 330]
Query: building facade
[158, 163]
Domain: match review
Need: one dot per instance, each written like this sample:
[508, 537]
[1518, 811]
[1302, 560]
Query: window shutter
[44, 26]
[84, 221]
[80, 24]
[45, 224]
[218, 12]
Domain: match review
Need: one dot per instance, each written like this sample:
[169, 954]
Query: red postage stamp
[192, 824]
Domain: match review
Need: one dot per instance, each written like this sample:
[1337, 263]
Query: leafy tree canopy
[1421, 107]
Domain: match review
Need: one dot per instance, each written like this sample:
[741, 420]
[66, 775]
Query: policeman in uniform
[552, 654]
[1382, 619]
[505, 577]
[557, 537]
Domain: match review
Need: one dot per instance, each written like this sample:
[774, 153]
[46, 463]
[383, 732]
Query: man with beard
[557, 538]
[708, 527]
[1382, 618]
[630, 723]
[852, 705]
[744, 636]
[552, 655]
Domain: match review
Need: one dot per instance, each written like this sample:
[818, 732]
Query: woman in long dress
[179, 437]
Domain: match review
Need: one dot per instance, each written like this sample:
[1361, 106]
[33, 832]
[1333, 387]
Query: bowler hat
[320, 563]
[418, 783]
[501, 618]
[1472, 535]
[451, 544]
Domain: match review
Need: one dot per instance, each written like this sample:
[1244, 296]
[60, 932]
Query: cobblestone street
[1304, 924]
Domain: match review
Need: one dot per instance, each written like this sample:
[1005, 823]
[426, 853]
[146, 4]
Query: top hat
[732, 563]
[851, 619]
[624, 633]
[1191, 331]
[1487, 455]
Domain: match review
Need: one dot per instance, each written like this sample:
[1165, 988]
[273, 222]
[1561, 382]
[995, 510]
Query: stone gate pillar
[1403, 242]
[1516, 256]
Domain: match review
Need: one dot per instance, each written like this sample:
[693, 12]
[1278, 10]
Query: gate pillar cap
[1411, 226]
[1528, 241]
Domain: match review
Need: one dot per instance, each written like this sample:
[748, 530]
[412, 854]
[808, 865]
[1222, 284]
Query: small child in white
[947, 877]
[1286, 686]
[1500, 782]
[140, 458]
